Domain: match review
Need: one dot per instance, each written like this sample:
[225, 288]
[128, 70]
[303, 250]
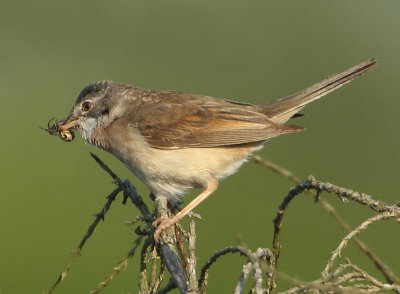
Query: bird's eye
[86, 106]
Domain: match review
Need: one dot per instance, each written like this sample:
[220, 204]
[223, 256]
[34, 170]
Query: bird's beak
[64, 128]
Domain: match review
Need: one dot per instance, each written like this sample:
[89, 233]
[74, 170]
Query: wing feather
[206, 123]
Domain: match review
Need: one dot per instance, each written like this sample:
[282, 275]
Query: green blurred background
[253, 51]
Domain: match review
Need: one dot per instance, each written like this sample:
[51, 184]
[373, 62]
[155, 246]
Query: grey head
[97, 106]
[100, 100]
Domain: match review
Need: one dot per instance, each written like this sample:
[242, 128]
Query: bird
[175, 141]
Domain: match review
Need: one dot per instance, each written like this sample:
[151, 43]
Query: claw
[162, 224]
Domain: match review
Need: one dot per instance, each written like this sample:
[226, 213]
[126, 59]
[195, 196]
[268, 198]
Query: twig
[168, 248]
[276, 168]
[347, 194]
[118, 268]
[261, 255]
[357, 230]
[246, 269]
[389, 275]
[76, 252]
[144, 286]
[204, 271]
[191, 272]
[180, 244]
[311, 183]
[339, 281]
[153, 271]
[277, 229]
[372, 280]
[116, 179]
[160, 278]
[174, 266]
[170, 286]
[129, 192]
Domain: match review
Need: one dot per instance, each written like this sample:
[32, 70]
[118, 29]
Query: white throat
[87, 126]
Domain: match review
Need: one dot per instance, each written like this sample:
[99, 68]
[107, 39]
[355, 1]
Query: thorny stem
[254, 259]
[119, 267]
[204, 271]
[311, 183]
[191, 267]
[389, 275]
[144, 286]
[129, 192]
[357, 230]
[76, 252]
[336, 282]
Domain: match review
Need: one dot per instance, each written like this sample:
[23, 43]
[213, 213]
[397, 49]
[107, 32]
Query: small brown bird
[175, 141]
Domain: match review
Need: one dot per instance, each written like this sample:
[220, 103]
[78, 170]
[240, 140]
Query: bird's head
[97, 106]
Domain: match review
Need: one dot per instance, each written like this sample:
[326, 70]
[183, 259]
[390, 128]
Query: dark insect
[54, 129]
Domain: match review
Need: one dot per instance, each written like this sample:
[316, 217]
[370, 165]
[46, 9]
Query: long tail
[283, 109]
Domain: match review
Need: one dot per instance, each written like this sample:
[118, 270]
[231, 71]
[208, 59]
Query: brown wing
[205, 122]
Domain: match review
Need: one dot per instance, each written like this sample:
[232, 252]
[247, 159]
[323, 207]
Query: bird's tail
[283, 109]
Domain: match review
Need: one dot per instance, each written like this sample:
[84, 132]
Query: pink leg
[163, 223]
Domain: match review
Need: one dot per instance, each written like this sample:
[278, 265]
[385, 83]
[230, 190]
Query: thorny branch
[171, 252]
[388, 274]
[343, 193]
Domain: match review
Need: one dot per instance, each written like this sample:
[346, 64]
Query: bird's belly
[170, 173]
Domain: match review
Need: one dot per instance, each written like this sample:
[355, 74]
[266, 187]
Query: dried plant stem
[144, 286]
[129, 192]
[160, 278]
[311, 183]
[169, 249]
[389, 275]
[191, 268]
[76, 252]
[171, 253]
[246, 269]
[119, 267]
[153, 271]
[379, 286]
[204, 271]
[341, 280]
[170, 286]
[357, 230]
[257, 261]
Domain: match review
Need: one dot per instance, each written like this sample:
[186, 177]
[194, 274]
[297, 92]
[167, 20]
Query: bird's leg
[163, 223]
[171, 205]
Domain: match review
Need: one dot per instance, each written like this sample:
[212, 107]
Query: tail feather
[283, 109]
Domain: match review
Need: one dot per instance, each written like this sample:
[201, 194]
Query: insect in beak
[56, 129]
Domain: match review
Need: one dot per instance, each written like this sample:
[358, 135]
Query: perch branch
[191, 269]
[169, 249]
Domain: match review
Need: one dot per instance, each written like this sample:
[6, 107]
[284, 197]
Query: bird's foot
[163, 223]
